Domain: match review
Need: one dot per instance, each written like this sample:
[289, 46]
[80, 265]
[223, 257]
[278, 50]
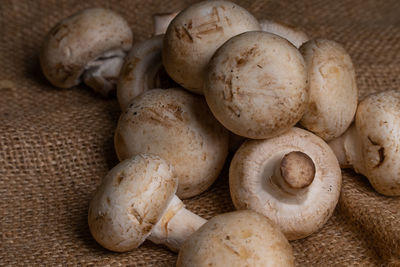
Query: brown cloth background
[56, 145]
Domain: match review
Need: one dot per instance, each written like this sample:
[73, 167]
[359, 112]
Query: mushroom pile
[211, 78]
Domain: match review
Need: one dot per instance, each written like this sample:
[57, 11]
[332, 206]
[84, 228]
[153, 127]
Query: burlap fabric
[56, 145]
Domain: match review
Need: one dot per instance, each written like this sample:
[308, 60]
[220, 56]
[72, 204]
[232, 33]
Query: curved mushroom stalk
[293, 179]
[294, 35]
[121, 216]
[371, 146]
[102, 73]
[161, 21]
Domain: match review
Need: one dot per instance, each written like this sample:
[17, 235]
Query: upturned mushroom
[161, 21]
[371, 145]
[294, 35]
[177, 126]
[142, 70]
[90, 46]
[240, 238]
[195, 34]
[293, 179]
[251, 90]
[137, 201]
[333, 94]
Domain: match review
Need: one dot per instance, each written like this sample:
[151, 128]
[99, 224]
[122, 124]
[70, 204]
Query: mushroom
[251, 90]
[240, 238]
[90, 46]
[142, 70]
[195, 34]
[161, 22]
[177, 126]
[371, 145]
[294, 35]
[333, 94]
[293, 179]
[136, 201]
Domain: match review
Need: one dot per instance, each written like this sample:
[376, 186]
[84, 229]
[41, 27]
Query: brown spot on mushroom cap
[297, 169]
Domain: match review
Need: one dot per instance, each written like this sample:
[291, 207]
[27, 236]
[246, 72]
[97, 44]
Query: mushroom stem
[295, 172]
[102, 73]
[162, 20]
[346, 147]
[176, 225]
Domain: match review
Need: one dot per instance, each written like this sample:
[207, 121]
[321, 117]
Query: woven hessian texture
[56, 145]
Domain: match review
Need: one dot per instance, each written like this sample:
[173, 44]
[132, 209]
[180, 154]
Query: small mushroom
[294, 35]
[240, 238]
[161, 22]
[136, 201]
[142, 70]
[177, 126]
[90, 46]
[372, 145]
[195, 33]
[333, 94]
[251, 90]
[293, 179]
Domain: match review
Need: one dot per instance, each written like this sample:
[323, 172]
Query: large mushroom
[372, 145]
[293, 179]
[256, 85]
[177, 126]
[195, 33]
[333, 94]
[90, 46]
[240, 238]
[137, 201]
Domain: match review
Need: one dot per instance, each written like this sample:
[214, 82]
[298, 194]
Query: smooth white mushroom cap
[195, 33]
[333, 94]
[256, 85]
[298, 214]
[79, 40]
[177, 126]
[378, 133]
[240, 238]
[294, 35]
[130, 201]
[142, 70]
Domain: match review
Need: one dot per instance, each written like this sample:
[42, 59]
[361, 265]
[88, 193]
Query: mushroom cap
[239, 238]
[251, 90]
[333, 94]
[79, 39]
[378, 126]
[177, 126]
[294, 35]
[120, 213]
[142, 70]
[194, 35]
[297, 215]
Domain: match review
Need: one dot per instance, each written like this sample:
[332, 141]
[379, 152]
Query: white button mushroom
[240, 238]
[194, 35]
[177, 126]
[256, 85]
[293, 179]
[137, 201]
[372, 145]
[142, 70]
[90, 46]
[161, 22]
[332, 88]
[294, 35]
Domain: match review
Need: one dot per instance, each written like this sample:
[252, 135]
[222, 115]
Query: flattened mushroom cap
[333, 94]
[177, 126]
[195, 33]
[240, 238]
[130, 201]
[80, 39]
[378, 126]
[297, 215]
[256, 85]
